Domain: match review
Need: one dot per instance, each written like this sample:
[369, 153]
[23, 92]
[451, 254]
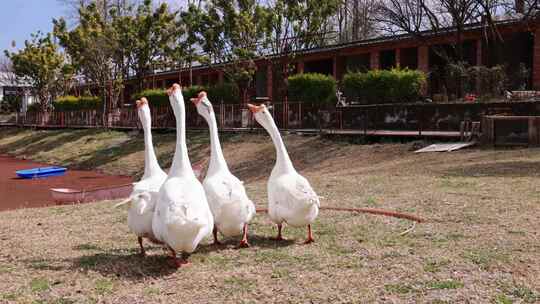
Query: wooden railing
[416, 118]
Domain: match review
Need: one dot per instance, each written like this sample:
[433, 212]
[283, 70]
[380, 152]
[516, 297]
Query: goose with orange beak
[291, 198]
[142, 198]
[182, 217]
[227, 197]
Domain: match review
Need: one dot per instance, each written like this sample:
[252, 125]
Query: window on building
[260, 82]
[324, 66]
[387, 59]
[357, 63]
[409, 58]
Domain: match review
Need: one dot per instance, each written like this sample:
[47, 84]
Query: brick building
[521, 45]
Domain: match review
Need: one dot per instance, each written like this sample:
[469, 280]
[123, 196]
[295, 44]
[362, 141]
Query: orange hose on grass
[395, 214]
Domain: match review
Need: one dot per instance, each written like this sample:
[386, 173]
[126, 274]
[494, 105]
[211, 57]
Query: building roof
[362, 43]
[8, 79]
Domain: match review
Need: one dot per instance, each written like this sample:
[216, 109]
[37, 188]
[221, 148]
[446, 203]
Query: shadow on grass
[258, 164]
[131, 266]
[498, 169]
[122, 263]
[255, 241]
[36, 142]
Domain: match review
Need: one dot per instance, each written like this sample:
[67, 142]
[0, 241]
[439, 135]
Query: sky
[20, 18]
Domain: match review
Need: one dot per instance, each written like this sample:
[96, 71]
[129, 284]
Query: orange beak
[173, 88]
[199, 98]
[143, 101]
[195, 101]
[254, 109]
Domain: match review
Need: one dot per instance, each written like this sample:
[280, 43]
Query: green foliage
[312, 87]
[34, 107]
[144, 36]
[43, 66]
[231, 32]
[285, 19]
[10, 104]
[226, 92]
[156, 97]
[192, 92]
[486, 82]
[96, 51]
[73, 103]
[458, 79]
[159, 97]
[383, 86]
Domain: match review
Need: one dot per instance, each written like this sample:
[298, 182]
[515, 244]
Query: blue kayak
[41, 172]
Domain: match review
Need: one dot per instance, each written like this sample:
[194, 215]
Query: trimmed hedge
[156, 97]
[73, 103]
[312, 87]
[226, 92]
[384, 86]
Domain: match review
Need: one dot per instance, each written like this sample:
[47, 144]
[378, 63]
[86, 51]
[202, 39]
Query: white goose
[144, 193]
[230, 205]
[182, 217]
[290, 196]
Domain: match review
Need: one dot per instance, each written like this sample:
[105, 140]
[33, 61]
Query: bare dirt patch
[480, 244]
[26, 193]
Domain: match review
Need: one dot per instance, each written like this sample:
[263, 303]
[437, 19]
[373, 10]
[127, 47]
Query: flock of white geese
[178, 211]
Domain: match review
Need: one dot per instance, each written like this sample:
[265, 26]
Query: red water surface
[26, 193]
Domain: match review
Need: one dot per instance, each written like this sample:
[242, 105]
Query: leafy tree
[93, 47]
[43, 66]
[231, 32]
[291, 26]
[183, 52]
[148, 33]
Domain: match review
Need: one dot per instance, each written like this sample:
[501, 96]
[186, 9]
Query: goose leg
[184, 261]
[310, 236]
[175, 261]
[244, 242]
[143, 252]
[279, 237]
[216, 242]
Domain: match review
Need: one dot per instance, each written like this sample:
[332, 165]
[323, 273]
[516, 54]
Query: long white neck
[181, 164]
[217, 160]
[283, 162]
[151, 165]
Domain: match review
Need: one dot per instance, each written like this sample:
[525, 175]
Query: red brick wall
[536, 60]
[423, 58]
[374, 62]
[269, 82]
[301, 67]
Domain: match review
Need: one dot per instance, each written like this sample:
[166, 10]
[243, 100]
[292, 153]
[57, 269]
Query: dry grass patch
[480, 243]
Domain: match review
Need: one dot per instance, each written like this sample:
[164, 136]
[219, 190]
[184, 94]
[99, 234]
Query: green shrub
[193, 91]
[312, 87]
[159, 97]
[10, 103]
[156, 97]
[384, 86]
[33, 107]
[226, 92]
[487, 81]
[73, 103]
